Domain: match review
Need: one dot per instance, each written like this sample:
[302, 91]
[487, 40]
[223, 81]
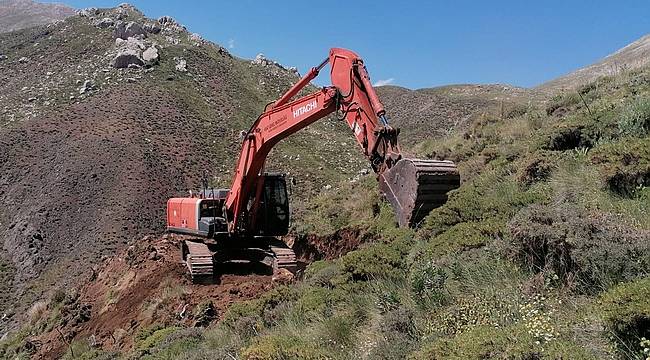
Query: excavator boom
[356, 101]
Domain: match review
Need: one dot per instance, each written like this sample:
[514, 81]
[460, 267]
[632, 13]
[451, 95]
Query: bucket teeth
[414, 187]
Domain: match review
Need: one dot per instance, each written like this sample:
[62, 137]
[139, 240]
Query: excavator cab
[273, 209]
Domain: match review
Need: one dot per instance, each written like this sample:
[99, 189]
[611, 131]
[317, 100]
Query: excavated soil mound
[312, 247]
[146, 284]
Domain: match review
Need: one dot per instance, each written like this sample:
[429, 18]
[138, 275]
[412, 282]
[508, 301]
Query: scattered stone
[130, 80]
[282, 276]
[152, 28]
[31, 99]
[172, 40]
[125, 30]
[88, 12]
[167, 20]
[364, 172]
[49, 73]
[3, 57]
[150, 56]
[104, 23]
[260, 59]
[327, 187]
[23, 60]
[196, 39]
[87, 86]
[153, 255]
[181, 65]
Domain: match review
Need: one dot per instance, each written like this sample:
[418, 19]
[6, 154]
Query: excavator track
[414, 187]
[198, 259]
[284, 258]
[203, 259]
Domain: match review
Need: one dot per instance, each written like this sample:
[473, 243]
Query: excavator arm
[355, 100]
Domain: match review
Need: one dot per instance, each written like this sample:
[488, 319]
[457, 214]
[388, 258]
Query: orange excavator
[243, 223]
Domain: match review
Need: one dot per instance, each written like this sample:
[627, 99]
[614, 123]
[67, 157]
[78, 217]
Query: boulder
[124, 30]
[196, 39]
[88, 12]
[260, 59]
[150, 56]
[130, 43]
[167, 20]
[87, 86]
[152, 28]
[104, 23]
[3, 57]
[128, 58]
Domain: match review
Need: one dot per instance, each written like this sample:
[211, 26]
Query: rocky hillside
[107, 114]
[22, 14]
[632, 56]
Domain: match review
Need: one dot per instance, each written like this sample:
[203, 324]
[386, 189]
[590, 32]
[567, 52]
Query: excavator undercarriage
[206, 259]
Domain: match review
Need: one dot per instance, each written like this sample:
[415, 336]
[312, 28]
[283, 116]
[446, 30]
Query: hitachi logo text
[305, 109]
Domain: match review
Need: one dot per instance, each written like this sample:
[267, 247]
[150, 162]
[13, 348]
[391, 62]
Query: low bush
[491, 195]
[625, 165]
[626, 312]
[635, 118]
[376, 261]
[590, 252]
[151, 338]
[276, 346]
[536, 167]
[560, 104]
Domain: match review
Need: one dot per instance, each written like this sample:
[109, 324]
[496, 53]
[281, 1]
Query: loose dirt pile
[145, 284]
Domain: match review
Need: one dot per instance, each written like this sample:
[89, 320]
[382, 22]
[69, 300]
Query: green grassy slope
[543, 252]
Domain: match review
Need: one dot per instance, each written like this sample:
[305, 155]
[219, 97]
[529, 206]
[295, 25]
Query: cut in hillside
[22, 14]
[89, 153]
[632, 56]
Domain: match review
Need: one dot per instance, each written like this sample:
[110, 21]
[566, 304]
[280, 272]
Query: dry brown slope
[21, 14]
[632, 56]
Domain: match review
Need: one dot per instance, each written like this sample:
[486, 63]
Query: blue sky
[418, 44]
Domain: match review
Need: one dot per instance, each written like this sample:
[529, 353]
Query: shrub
[626, 312]
[625, 165]
[589, 252]
[322, 273]
[279, 346]
[376, 261]
[560, 103]
[488, 342]
[256, 309]
[536, 167]
[491, 195]
[635, 118]
[465, 236]
[428, 284]
[150, 338]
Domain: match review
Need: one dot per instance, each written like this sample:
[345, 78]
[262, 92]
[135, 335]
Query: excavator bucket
[414, 187]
